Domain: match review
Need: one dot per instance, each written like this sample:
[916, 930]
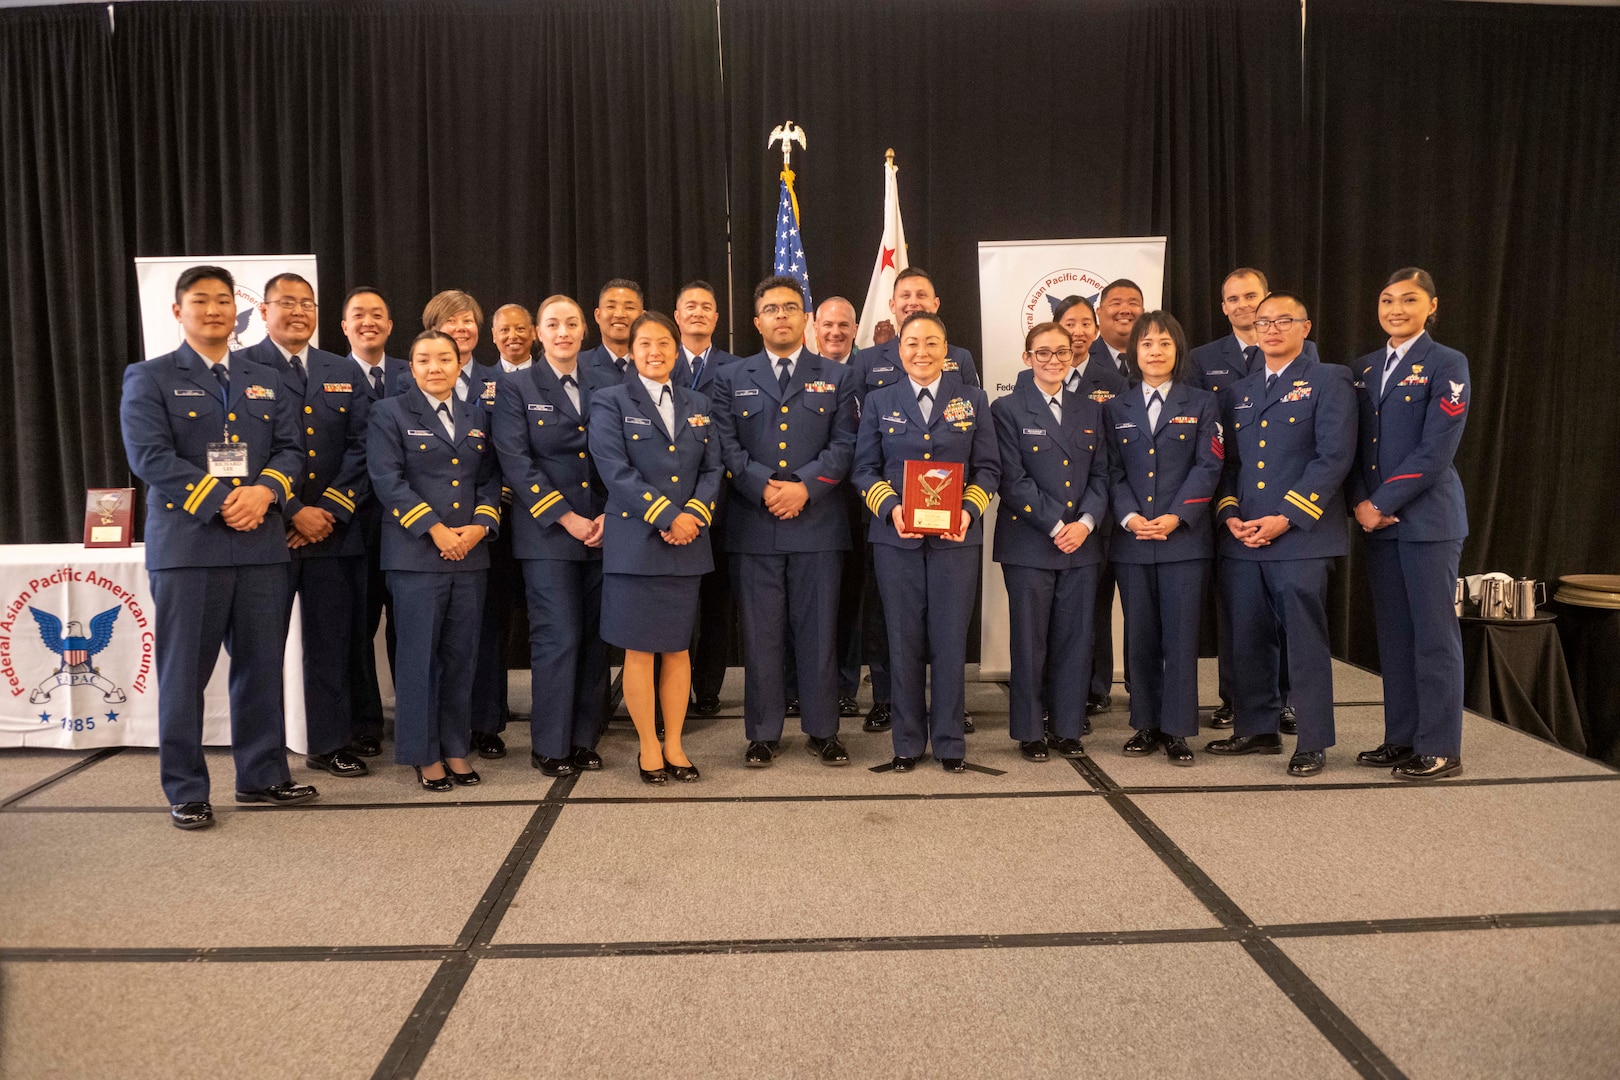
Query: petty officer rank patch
[1454, 405]
[698, 420]
[819, 387]
[338, 387]
[959, 413]
[262, 393]
[541, 408]
[1299, 393]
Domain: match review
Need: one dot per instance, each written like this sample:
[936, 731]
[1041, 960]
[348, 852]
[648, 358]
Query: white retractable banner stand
[160, 333]
[1021, 283]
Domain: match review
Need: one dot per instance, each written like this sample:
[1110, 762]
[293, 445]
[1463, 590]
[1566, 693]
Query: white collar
[561, 374]
[1401, 351]
[302, 354]
[792, 358]
[654, 387]
[1279, 372]
[434, 403]
[510, 367]
[1163, 390]
[917, 387]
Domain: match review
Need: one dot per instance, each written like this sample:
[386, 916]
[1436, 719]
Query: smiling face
[561, 331]
[1082, 327]
[654, 351]
[922, 350]
[1240, 301]
[779, 316]
[289, 314]
[513, 334]
[1117, 313]
[435, 366]
[1049, 359]
[1156, 354]
[207, 315]
[913, 294]
[835, 329]
[1403, 309]
[697, 314]
[463, 327]
[616, 311]
[366, 324]
[1282, 326]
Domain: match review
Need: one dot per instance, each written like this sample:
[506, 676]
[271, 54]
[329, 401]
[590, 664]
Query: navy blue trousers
[200, 608]
[568, 660]
[928, 602]
[331, 618]
[1419, 642]
[1163, 607]
[1102, 630]
[875, 630]
[439, 619]
[365, 690]
[792, 595]
[1223, 644]
[1050, 616]
[490, 708]
[1292, 592]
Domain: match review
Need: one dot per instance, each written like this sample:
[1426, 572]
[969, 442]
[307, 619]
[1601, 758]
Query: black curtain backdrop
[1481, 142]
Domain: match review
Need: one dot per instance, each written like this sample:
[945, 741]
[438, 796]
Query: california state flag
[891, 259]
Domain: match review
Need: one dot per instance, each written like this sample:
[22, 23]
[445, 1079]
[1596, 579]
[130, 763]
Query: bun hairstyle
[1419, 277]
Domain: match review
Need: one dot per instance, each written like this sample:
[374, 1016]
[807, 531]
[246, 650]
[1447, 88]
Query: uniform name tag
[414, 431]
[1243, 405]
[1126, 424]
[338, 387]
[638, 420]
[191, 393]
[894, 419]
[541, 408]
[1034, 431]
[745, 393]
[889, 368]
[227, 460]
[262, 393]
[1218, 371]
[1184, 419]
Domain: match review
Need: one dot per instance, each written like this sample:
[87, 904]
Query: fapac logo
[1052, 288]
[249, 328]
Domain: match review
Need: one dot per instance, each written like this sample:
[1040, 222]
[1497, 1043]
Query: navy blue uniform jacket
[171, 410]
[653, 475]
[544, 453]
[1218, 364]
[805, 434]
[718, 360]
[1409, 436]
[1050, 474]
[1172, 471]
[1287, 453]
[892, 431]
[423, 477]
[879, 366]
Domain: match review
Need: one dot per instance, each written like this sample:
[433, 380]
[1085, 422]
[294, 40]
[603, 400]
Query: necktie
[377, 382]
[697, 370]
[571, 388]
[783, 374]
[1155, 406]
[925, 403]
[297, 363]
[1249, 353]
[463, 386]
[444, 418]
[1057, 408]
[223, 375]
[619, 363]
[666, 409]
[1072, 383]
[1271, 380]
[1389, 366]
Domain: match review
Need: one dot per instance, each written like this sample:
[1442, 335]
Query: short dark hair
[1245, 271]
[1283, 294]
[191, 275]
[1163, 322]
[919, 316]
[697, 283]
[1069, 303]
[620, 283]
[432, 335]
[654, 317]
[1419, 277]
[362, 290]
[776, 281]
[1042, 328]
[1119, 283]
[915, 271]
[283, 278]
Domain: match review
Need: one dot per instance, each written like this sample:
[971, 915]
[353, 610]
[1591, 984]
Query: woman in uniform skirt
[1408, 499]
[927, 582]
[433, 468]
[653, 448]
[1054, 490]
[1165, 464]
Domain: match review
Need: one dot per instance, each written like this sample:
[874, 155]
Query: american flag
[789, 244]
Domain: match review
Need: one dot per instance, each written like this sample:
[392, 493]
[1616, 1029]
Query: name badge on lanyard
[225, 458]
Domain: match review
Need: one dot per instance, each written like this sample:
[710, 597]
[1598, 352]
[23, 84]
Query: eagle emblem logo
[75, 648]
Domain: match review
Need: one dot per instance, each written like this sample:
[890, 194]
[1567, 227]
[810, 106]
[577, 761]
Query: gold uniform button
[1265, 423]
[582, 453]
[1263, 443]
[539, 423]
[745, 412]
[455, 461]
[784, 427]
[781, 446]
[236, 481]
[455, 483]
[1291, 419]
[1259, 464]
[927, 437]
[421, 446]
[307, 431]
[1375, 439]
[1033, 449]
[674, 479]
[584, 483]
[1065, 461]
[191, 414]
[232, 416]
[1184, 438]
[582, 427]
[309, 408]
[1067, 483]
[238, 438]
[1408, 398]
[624, 513]
[781, 464]
[635, 438]
[455, 506]
[785, 408]
[1150, 498]
[169, 506]
[1261, 485]
[1150, 475]
[671, 450]
[1151, 451]
[1071, 506]
[928, 457]
[1375, 468]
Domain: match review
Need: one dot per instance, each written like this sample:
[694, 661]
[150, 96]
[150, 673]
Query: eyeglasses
[1284, 324]
[1046, 356]
[287, 303]
[770, 310]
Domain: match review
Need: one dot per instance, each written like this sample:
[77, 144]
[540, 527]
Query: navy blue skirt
[649, 612]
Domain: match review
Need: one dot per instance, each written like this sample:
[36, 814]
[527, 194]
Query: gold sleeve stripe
[199, 493]
[488, 511]
[701, 510]
[281, 478]
[414, 514]
[338, 497]
[655, 509]
[1227, 501]
[1294, 498]
[976, 495]
[545, 503]
[506, 492]
[876, 494]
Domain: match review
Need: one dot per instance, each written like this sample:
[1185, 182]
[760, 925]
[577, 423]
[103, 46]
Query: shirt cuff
[1125, 522]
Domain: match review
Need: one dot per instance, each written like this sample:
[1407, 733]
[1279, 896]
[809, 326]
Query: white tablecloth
[108, 696]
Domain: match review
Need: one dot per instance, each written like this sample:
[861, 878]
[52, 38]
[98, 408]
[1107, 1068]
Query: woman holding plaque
[1165, 463]
[1054, 490]
[653, 447]
[927, 439]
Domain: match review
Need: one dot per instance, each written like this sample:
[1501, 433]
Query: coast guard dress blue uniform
[879, 365]
[602, 361]
[334, 409]
[1171, 466]
[1104, 357]
[717, 608]
[424, 476]
[1216, 366]
[653, 475]
[211, 584]
[928, 583]
[1410, 428]
[787, 418]
[541, 437]
[1053, 471]
[1288, 449]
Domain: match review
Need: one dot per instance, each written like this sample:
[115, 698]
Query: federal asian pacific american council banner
[160, 333]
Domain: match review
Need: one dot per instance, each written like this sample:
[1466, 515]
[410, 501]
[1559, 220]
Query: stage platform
[1109, 916]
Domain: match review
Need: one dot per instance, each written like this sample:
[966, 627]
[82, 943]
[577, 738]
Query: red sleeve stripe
[1405, 476]
[1190, 502]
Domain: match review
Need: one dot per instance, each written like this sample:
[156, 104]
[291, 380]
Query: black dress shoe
[365, 745]
[791, 708]
[879, 719]
[489, 745]
[1143, 742]
[443, 783]
[1385, 756]
[904, 764]
[288, 794]
[967, 723]
[1426, 767]
[554, 766]
[1246, 744]
[829, 750]
[848, 706]
[1175, 748]
[1098, 703]
[338, 763]
[465, 779]
[760, 754]
[1307, 763]
[1223, 717]
[191, 815]
[953, 764]
[707, 706]
[1035, 751]
[652, 776]
[586, 760]
[686, 774]
[1288, 721]
[1066, 747]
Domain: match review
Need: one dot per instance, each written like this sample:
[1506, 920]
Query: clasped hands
[1261, 531]
[455, 543]
[1371, 519]
[1158, 528]
[587, 531]
[899, 519]
[785, 498]
[682, 531]
[310, 525]
[244, 508]
[1071, 537]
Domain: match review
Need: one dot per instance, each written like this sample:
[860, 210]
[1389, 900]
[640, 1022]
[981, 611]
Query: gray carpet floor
[1122, 918]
